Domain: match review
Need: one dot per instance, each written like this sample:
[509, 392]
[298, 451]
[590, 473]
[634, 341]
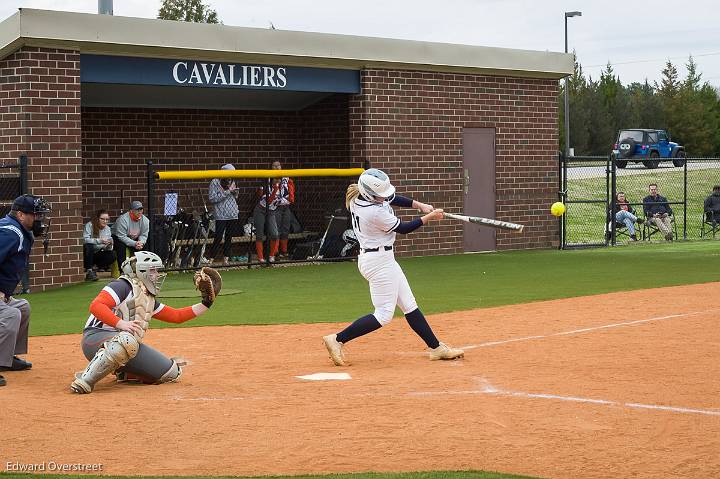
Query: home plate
[326, 377]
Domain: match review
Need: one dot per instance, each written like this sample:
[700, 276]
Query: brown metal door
[479, 186]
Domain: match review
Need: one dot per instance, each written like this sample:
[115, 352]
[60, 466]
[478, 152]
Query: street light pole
[567, 98]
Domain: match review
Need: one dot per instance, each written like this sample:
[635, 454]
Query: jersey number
[356, 221]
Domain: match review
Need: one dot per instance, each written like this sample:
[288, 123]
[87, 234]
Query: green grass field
[585, 223]
[337, 292]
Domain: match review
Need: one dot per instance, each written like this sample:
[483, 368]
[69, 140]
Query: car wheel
[627, 147]
[653, 162]
[679, 158]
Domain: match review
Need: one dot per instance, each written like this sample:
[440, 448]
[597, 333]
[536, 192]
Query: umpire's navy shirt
[15, 245]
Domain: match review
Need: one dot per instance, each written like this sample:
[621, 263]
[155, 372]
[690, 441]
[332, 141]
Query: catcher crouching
[120, 315]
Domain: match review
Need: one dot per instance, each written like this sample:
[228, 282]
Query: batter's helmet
[374, 183]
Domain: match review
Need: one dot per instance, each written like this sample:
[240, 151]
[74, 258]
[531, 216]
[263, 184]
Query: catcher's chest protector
[140, 307]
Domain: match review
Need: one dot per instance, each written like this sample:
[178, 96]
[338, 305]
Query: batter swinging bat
[487, 222]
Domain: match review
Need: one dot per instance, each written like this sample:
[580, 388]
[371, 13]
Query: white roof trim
[107, 34]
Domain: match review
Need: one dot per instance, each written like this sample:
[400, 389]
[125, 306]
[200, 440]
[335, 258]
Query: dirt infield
[615, 385]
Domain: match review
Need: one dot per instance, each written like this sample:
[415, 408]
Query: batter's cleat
[2, 381]
[443, 351]
[79, 386]
[334, 347]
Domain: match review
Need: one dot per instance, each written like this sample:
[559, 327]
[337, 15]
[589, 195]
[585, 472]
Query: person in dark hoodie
[27, 219]
[712, 206]
[658, 212]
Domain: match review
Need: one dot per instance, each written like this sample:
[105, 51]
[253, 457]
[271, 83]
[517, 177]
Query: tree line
[688, 108]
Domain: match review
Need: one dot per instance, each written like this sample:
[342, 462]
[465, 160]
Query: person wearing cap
[130, 231]
[26, 220]
[223, 194]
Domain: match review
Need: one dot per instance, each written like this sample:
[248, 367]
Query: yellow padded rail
[209, 174]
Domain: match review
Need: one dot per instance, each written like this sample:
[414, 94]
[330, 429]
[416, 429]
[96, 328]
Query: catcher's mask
[146, 266]
[349, 237]
[374, 185]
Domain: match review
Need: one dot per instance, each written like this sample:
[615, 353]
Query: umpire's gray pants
[14, 325]
[149, 364]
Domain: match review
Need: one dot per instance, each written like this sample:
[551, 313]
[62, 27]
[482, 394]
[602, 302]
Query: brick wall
[40, 117]
[411, 124]
[324, 143]
[117, 143]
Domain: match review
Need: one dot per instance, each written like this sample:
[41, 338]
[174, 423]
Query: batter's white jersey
[374, 223]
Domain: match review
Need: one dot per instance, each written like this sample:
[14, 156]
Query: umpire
[27, 219]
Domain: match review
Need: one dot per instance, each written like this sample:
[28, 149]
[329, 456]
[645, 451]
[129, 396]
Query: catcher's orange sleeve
[172, 315]
[101, 308]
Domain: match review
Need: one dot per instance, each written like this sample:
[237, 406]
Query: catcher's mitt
[209, 282]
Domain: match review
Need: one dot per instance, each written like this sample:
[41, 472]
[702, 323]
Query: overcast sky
[636, 37]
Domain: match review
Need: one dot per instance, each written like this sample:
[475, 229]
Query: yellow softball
[557, 209]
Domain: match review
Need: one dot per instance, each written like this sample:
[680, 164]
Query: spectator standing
[97, 244]
[26, 220]
[266, 210]
[712, 206]
[658, 211]
[283, 213]
[130, 231]
[223, 194]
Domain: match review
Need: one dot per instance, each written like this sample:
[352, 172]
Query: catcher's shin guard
[115, 353]
[172, 375]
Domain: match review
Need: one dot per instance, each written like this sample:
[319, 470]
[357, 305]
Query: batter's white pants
[388, 285]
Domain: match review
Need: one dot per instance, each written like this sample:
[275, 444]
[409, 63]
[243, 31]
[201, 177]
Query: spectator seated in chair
[712, 206]
[625, 216]
[711, 215]
[97, 245]
[658, 213]
[131, 230]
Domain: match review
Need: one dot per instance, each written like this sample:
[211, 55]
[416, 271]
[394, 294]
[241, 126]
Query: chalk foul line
[587, 330]
[488, 389]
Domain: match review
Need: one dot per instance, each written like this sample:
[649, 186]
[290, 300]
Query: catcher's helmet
[374, 184]
[145, 266]
[349, 237]
[248, 229]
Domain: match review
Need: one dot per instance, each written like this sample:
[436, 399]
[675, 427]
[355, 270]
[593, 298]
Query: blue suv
[648, 147]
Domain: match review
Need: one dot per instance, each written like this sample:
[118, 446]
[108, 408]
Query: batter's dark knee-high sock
[419, 324]
[366, 324]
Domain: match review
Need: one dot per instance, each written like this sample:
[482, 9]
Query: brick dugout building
[90, 98]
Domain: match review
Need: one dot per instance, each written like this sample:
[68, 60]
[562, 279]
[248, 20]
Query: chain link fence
[315, 227]
[590, 185]
[585, 190]
[13, 182]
